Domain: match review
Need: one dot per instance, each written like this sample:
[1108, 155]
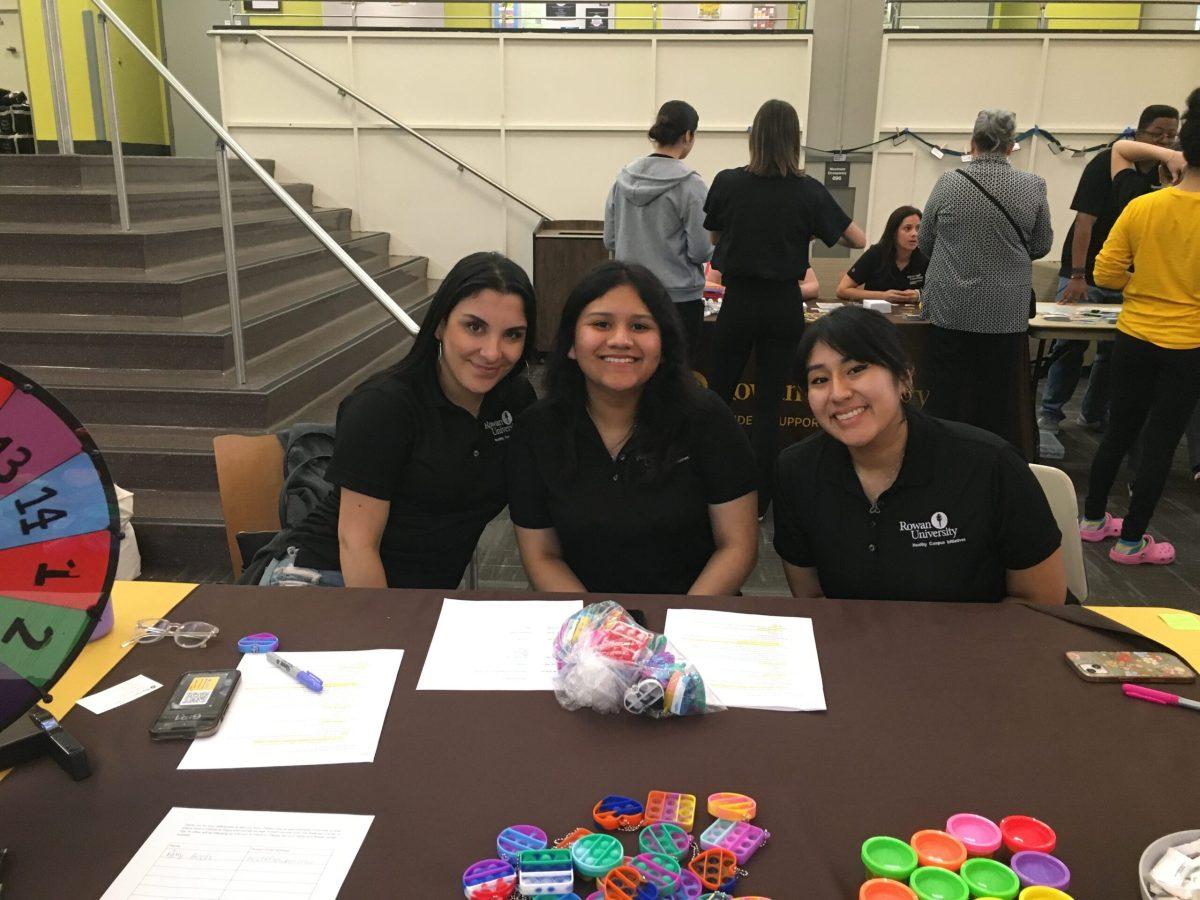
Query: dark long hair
[887, 243]
[775, 141]
[857, 333]
[470, 275]
[669, 395]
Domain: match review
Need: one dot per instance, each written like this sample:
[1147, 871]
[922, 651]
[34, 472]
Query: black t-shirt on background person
[872, 273]
[442, 470]
[619, 534]
[766, 224]
[1100, 196]
[964, 509]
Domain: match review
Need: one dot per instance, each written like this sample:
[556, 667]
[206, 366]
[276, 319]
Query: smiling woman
[891, 504]
[418, 463]
[628, 477]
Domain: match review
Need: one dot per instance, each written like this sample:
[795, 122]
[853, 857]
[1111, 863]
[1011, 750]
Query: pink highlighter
[1144, 693]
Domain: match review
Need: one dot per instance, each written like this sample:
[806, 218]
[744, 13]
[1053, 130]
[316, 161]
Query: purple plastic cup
[981, 836]
[1036, 868]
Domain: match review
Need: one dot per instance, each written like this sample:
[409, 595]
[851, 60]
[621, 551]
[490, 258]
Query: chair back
[1060, 493]
[249, 479]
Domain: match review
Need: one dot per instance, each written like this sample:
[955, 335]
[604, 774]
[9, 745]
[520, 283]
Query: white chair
[1060, 493]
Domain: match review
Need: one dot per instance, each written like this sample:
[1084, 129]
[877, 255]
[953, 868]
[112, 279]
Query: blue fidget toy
[515, 839]
[546, 872]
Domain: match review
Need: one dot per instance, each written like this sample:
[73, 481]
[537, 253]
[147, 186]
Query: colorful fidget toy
[546, 872]
[660, 869]
[622, 641]
[615, 812]
[595, 855]
[716, 868]
[665, 806]
[516, 838]
[572, 836]
[493, 879]
[735, 807]
[627, 883]
[690, 887]
[741, 838]
[664, 837]
[643, 696]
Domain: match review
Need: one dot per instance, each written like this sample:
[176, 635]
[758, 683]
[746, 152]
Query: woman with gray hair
[983, 226]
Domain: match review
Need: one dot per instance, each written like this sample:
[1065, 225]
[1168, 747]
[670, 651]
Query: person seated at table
[628, 477]
[419, 457]
[893, 269]
[887, 503]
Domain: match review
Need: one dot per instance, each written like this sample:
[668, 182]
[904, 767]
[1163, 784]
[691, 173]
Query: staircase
[131, 330]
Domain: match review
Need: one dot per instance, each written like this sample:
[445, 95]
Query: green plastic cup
[888, 857]
[988, 878]
[930, 883]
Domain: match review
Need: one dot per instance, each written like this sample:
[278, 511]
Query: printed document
[751, 661]
[273, 720]
[229, 854]
[495, 645]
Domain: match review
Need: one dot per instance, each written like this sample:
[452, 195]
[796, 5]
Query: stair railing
[345, 91]
[225, 145]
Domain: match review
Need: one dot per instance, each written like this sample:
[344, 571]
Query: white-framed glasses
[188, 635]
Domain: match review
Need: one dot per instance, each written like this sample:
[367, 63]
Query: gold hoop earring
[905, 395]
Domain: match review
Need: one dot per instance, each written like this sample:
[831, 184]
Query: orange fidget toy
[714, 867]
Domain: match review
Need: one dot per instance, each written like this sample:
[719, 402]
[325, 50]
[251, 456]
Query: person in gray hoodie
[655, 215]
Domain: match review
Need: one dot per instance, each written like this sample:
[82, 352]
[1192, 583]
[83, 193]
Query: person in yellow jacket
[1156, 359]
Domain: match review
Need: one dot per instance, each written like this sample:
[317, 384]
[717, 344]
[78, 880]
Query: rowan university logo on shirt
[501, 428]
[936, 531]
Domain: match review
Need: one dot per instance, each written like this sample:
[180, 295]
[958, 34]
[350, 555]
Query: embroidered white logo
[938, 520]
[500, 428]
[506, 417]
[933, 532]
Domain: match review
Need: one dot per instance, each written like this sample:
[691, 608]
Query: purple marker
[308, 679]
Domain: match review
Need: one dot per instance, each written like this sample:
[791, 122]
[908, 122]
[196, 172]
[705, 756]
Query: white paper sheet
[274, 720]
[751, 661]
[119, 694]
[495, 645]
[228, 854]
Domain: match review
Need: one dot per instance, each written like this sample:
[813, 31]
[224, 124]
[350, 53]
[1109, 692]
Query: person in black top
[1099, 200]
[887, 503]
[627, 477]
[762, 218]
[419, 454]
[893, 269]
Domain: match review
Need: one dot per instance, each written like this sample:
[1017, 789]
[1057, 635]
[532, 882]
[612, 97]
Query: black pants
[1153, 391]
[692, 314]
[977, 379]
[766, 317]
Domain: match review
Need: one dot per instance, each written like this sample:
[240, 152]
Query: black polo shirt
[874, 273]
[1099, 195]
[766, 224]
[619, 534]
[442, 470]
[964, 509]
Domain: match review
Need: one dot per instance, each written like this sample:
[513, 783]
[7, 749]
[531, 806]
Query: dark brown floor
[1177, 520]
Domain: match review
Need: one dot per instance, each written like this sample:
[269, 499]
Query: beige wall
[12, 62]
[551, 117]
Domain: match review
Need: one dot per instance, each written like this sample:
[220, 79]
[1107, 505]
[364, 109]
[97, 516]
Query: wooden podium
[563, 250]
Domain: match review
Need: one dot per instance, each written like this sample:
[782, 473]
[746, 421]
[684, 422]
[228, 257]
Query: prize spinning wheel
[59, 536]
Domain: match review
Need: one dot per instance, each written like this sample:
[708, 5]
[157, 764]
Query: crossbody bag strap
[999, 206]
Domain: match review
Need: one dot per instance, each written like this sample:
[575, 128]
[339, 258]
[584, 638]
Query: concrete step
[153, 244]
[147, 202]
[202, 341]
[279, 383]
[184, 527]
[184, 287]
[94, 171]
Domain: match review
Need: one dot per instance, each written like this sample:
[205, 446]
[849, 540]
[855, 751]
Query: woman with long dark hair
[655, 215]
[627, 477]
[762, 218]
[419, 455]
[1153, 254]
[893, 269]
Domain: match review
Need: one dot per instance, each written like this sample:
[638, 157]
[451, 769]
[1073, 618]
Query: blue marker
[308, 679]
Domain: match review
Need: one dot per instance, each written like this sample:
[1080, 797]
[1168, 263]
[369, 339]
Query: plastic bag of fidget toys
[608, 662]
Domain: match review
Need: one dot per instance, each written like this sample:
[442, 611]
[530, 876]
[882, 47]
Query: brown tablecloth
[933, 709]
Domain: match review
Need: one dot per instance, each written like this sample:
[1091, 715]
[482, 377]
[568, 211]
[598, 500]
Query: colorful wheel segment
[59, 538]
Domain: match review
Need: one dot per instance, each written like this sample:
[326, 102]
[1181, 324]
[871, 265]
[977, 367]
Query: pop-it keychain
[666, 806]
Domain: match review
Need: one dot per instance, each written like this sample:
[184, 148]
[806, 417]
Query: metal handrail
[345, 91]
[225, 144]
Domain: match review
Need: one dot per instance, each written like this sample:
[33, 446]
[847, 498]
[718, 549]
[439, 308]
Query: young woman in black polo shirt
[627, 477]
[888, 503]
[419, 456]
[893, 269]
[762, 218]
